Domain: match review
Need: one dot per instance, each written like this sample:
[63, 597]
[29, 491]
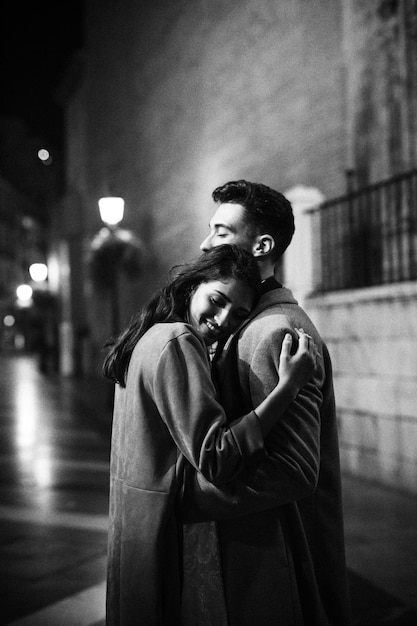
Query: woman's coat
[167, 415]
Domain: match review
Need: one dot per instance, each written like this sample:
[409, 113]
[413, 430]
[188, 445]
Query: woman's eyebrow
[223, 295]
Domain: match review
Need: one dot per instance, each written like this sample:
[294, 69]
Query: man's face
[228, 226]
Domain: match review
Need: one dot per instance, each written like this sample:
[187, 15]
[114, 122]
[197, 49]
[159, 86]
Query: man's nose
[206, 244]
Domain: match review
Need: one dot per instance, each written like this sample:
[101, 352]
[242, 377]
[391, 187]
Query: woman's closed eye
[218, 301]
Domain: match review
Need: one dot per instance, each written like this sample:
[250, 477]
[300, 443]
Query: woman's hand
[294, 372]
[297, 369]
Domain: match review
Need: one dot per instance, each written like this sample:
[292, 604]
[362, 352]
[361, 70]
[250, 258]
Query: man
[279, 525]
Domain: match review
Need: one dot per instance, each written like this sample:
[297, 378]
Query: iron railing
[369, 236]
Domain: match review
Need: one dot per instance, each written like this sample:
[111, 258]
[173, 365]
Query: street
[54, 459]
[54, 498]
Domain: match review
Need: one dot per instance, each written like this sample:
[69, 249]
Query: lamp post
[111, 213]
[24, 302]
[114, 251]
[45, 321]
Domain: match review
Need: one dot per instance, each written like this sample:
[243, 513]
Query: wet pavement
[54, 461]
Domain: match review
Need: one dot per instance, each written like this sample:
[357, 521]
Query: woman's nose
[222, 318]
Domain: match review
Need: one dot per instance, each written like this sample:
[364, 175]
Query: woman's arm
[186, 399]
[289, 469]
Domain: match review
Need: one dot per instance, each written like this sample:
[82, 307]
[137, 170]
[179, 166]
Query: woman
[166, 414]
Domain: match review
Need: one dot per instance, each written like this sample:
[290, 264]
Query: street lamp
[111, 210]
[23, 303]
[114, 251]
[45, 319]
[24, 295]
[38, 272]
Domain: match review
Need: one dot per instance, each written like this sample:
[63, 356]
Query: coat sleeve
[186, 400]
[287, 470]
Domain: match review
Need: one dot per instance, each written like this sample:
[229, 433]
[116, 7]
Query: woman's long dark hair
[171, 302]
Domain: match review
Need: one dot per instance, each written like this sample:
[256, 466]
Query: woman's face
[218, 307]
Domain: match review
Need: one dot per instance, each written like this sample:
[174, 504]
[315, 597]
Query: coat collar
[270, 283]
[271, 298]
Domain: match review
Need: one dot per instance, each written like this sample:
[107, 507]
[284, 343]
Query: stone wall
[372, 338]
[182, 97]
[381, 95]
[177, 98]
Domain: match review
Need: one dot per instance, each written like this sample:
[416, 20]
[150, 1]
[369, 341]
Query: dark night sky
[37, 41]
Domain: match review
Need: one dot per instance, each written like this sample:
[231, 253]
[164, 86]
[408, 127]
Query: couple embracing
[225, 494]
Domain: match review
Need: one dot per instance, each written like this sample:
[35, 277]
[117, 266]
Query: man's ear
[263, 245]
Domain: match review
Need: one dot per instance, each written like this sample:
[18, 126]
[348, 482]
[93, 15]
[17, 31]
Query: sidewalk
[381, 549]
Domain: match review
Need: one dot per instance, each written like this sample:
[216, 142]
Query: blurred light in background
[111, 210]
[9, 321]
[38, 272]
[24, 293]
[45, 156]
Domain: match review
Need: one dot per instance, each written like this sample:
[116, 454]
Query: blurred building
[23, 241]
[317, 99]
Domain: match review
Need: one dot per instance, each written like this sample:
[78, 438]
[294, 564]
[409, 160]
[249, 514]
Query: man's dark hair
[266, 211]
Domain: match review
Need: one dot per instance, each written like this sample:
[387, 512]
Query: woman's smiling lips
[213, 328]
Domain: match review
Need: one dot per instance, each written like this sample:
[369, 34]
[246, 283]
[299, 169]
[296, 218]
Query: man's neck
[266, 267]
[267, 275]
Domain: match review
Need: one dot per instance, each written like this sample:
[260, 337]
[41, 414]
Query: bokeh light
[9, 321]
[38, 272]
[24, 292]
[43, 154]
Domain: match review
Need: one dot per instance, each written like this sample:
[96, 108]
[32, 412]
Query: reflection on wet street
[54, 461]
[54, 458]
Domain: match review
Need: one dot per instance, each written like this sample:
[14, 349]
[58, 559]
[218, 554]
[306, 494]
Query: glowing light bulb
[24, 292]
[43, 154]
[38, 272]
[111, 210]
